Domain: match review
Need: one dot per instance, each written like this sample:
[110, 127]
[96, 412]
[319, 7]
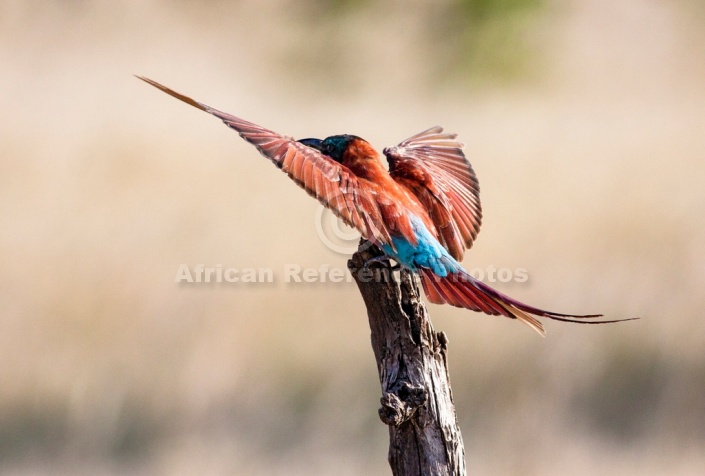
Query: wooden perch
[417, 402]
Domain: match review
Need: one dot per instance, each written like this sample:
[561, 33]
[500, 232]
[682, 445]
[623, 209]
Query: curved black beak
[313, 143]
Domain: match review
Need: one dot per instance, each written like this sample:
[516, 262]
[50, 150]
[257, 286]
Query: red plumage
[429, 178]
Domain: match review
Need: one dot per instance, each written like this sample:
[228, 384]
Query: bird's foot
[380, 259]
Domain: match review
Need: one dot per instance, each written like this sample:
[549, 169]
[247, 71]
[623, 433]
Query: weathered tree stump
[417, 402]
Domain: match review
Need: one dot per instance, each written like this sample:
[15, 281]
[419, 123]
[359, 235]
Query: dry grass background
[589, 149]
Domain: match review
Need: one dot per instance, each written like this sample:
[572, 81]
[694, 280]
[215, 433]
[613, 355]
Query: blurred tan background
[584, 121]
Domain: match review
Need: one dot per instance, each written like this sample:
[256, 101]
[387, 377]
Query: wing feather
[432, 165]
[333, 184]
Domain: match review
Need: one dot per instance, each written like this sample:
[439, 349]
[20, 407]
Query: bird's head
[333, 146]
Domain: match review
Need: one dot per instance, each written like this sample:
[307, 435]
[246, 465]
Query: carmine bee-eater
[423, 212]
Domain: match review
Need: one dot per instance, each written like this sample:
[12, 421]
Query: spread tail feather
[462, 290]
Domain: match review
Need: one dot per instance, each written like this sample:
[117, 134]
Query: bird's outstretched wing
[432, 165]
[333, 184]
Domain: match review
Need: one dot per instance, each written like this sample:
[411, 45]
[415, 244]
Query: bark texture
[417, 402]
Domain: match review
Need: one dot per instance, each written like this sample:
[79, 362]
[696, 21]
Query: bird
[423, 211]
